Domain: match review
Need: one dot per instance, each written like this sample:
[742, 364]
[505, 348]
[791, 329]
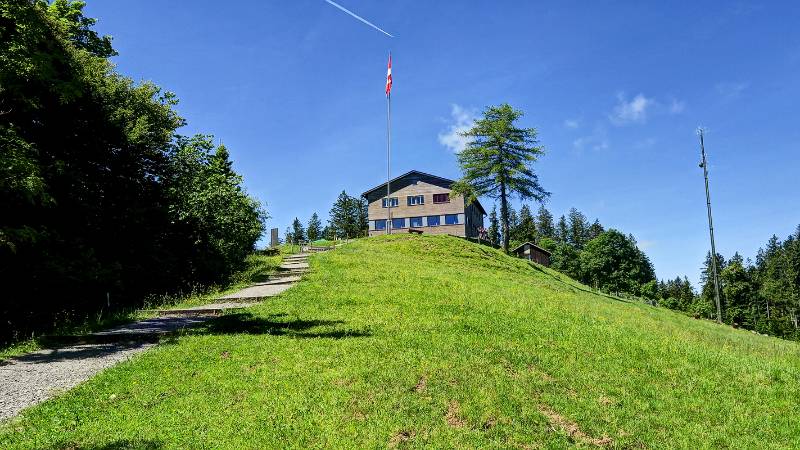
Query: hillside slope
[434, 341]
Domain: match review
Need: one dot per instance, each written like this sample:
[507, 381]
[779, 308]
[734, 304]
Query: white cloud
[595, 141]
[634, 111]
[462, 120]
[676, 106]
[730, 90]
[572, 123]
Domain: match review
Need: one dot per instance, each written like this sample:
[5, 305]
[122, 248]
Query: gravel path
[33, 378]
[29, 379]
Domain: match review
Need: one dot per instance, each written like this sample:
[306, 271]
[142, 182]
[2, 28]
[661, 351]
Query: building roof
[417, 172]
[532, 245]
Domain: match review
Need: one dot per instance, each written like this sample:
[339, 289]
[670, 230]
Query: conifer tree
[513, 223]
[362, 224]
[578, 229]
[494, 227]
[544, 223]
[705, 306]
[498, 162]
[314, 228]
[562, 230]
[595, 230]
[298, 233]
[348, 216]
[526, 228]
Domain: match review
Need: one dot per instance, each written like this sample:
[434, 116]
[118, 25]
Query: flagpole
[388, 161]
[389, 155]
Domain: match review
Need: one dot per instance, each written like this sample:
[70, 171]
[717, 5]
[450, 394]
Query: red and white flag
[389, 77]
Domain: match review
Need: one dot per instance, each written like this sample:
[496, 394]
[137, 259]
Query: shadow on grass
[277, 325]
[82, 352]
[122, 444]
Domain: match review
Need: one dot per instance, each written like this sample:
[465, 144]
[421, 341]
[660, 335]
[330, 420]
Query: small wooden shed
[533, 252]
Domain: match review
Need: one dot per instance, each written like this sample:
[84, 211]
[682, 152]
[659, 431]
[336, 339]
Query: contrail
[357, 16]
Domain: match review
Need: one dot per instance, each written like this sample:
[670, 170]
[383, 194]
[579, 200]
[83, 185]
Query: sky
[616, 90]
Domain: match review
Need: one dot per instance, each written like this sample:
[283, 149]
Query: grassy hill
[433, 341]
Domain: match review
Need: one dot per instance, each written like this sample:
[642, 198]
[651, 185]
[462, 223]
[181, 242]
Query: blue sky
[616, 90]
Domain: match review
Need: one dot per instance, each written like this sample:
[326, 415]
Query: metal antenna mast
[704, 165]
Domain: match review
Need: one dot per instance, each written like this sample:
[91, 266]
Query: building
[533, 252]
[422, 203]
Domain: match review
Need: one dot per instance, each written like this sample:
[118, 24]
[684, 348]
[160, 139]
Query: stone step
[258, 291]
[278, 280]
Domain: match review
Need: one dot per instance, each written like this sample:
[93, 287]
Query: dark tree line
[99, 197]
[604, 259]
[763, 296]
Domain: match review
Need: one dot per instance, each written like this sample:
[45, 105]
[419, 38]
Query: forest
[761, 295]
[103, 201]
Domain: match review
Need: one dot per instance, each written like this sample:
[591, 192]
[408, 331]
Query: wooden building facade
[533, 252]
[422, 203]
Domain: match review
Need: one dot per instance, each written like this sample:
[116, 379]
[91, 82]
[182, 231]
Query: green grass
[428, 341]
[323, 243]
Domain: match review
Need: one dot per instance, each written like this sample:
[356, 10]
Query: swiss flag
[389, 76]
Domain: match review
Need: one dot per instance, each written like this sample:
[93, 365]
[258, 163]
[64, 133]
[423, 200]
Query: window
[394, 202]
[399, 223]
[433, 221]
[416, 221]
[441, 198]
[416, 200]
[380, 224]
[451, 219]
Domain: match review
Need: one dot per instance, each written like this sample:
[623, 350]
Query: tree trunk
[504, 215]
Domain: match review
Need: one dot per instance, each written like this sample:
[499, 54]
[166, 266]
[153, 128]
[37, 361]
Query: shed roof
[532, 245]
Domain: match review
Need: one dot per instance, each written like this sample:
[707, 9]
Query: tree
[68, 15]
[497, 162]
[613, 263]
[207, 198]
[578, 229]
[526, 227]
[327, 233]
[705, 306]
[494, 227]
[544, 223]
[739, 292]
[564, 257]
[348, 216]
[107, 199]
[298, 233]
[595, 230]
[363, 216]
[314, 228]
[562, 230]
[676, 294]
[513, 223]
